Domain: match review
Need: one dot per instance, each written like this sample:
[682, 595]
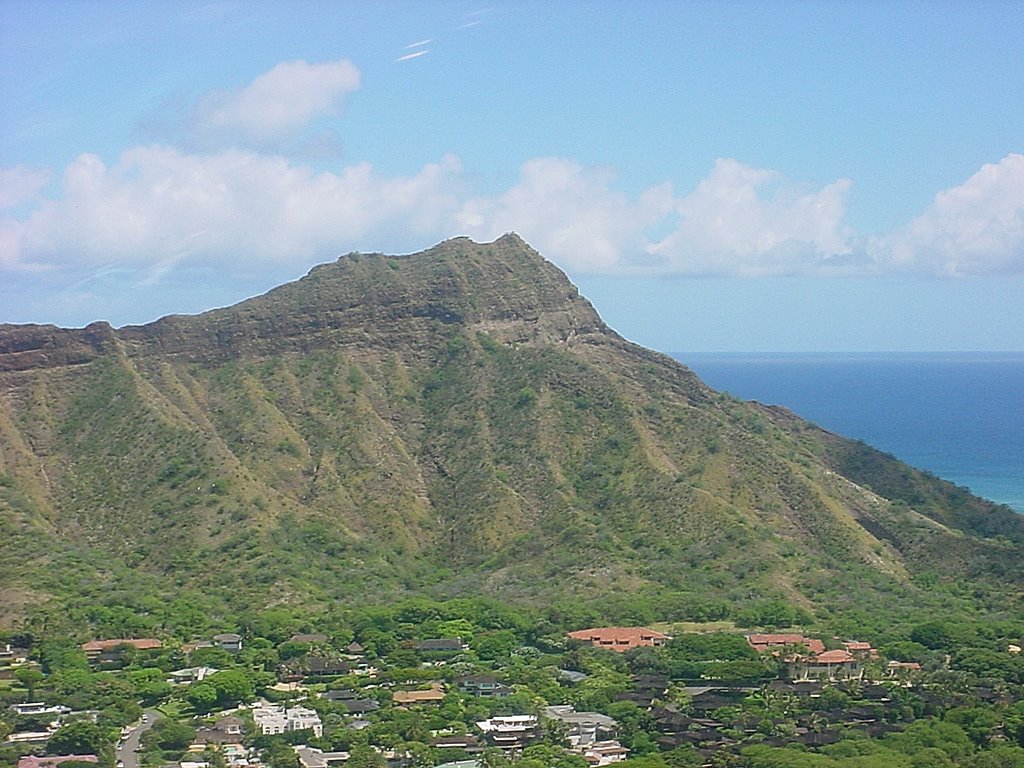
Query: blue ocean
[958, 415]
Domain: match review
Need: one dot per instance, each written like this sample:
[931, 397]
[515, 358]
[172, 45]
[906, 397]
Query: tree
[233, 686]
[364, 756]
[29, 677]
[210, 657]
[292, 650]
[492, 757]
[931, 634]
[979, 722]
[949, 737]
[202, 696]
[278, 754]
[171, 735]
[496, 645]
[78, 738]
[931, 757]
[1003, 756]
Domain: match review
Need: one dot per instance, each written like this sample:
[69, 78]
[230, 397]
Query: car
[120, 764]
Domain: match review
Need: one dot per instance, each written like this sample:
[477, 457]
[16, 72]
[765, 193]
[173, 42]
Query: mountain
[456, 421]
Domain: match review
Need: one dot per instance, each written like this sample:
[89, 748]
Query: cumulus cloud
[157, 207]
[727, 225]
[21, 184]
[976, 228]
[275, 107]
[750, 221]
[745, 221]
[570, 213]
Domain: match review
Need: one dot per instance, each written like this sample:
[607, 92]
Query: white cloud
[20, 185]
[730, 224]
[725, 226]
[276, 106]
[157, 207]
[976, 228]
[569, 213]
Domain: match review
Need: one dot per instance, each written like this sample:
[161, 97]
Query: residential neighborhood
[483, 695]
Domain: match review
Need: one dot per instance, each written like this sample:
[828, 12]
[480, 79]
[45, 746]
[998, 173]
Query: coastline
[958, 415]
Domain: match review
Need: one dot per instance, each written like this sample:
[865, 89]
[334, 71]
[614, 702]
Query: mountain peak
[505, 288]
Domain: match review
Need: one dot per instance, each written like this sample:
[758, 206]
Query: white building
[191, 675]
[36, 708]
[271, 719]
[509, 731]
[303, 717]
[582, 728]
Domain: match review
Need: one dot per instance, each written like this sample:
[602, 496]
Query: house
[463, 741]
[324, 666]
[191, 675]
[902, 670]
[571, 676]
[602, 753]
[582, 728]
[829, 665]
[860, 649]
[316, 667]
[704, 700]
[483, 685]
[35, 708]
[509, 732]
[361, 706]
[228, 641]
[315, 638]
[311, 757]
[272, 719]
[619, 639]
[101, 651]
[232, 750]
[442, 645]
[656, 685]
[214, 737]
[10, 654]
[195, 645]
[433, 695]
[232, 725]
[30, 761]
[776, 642]
[341, 694]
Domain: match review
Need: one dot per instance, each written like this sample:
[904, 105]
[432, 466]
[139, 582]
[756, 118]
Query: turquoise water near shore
[958, 415]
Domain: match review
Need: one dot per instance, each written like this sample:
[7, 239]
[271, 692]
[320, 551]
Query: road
[127, 755]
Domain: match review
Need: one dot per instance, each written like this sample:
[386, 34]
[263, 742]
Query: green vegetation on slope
[454, 422]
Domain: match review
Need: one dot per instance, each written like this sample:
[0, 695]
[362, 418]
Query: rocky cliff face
[503, 288]
[457, 420]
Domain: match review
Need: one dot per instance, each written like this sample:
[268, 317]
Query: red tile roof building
[96, 647]
[862, 649]
[834, 657]
[619, 638]
[763, 642]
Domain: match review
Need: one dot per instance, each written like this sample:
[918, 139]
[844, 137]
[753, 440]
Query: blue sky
[739, 176]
